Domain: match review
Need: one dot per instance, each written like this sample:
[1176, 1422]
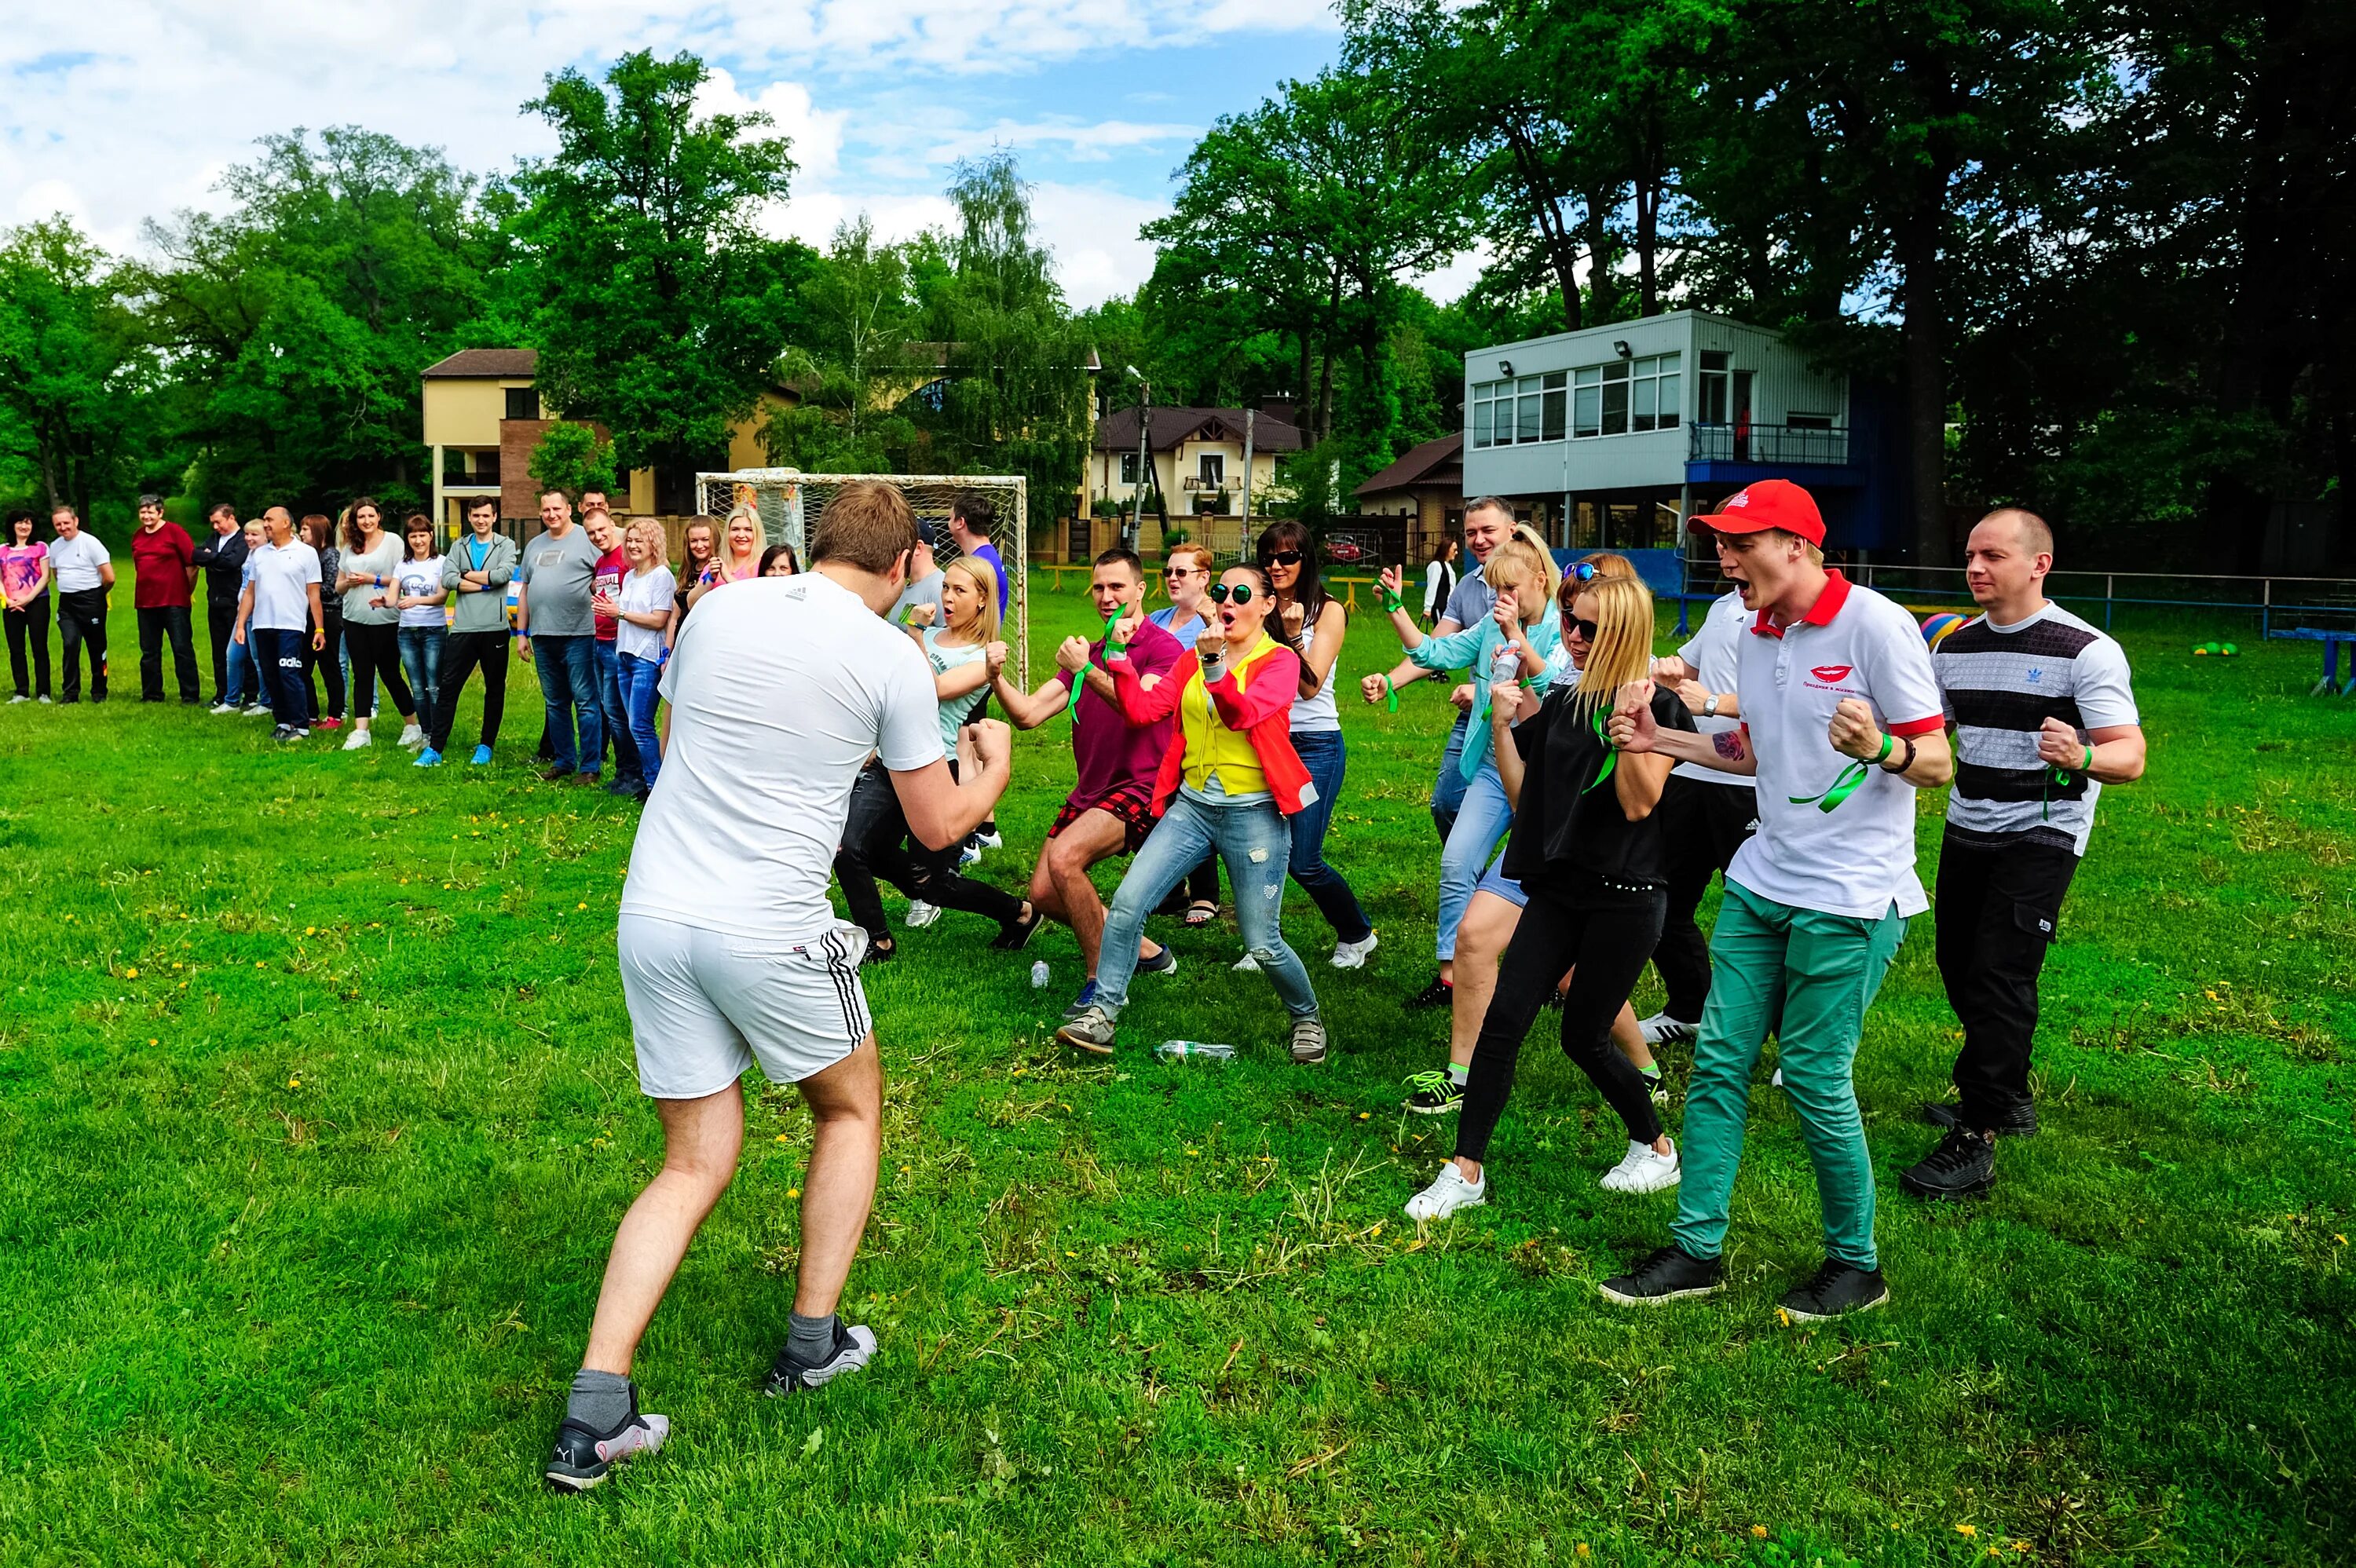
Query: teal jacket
[1474, 648]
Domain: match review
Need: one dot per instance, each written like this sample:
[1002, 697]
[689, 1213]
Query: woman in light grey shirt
[372, 631]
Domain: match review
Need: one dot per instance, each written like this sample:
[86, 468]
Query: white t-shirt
[76, 562]
[1710, 654]
[415, 579]
[280, 574]
[644, 591]
[1858, 858]
[779, 694]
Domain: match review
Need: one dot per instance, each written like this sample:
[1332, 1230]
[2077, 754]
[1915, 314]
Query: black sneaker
[1435, 1094]
[583, 1459]
[851, 1349]
[1016, 934]
[880, 950]
[1963, 1166]
[1836, 1290]
[1162, 962]
[1438, 994]
[2020, 1123]
[1668, 1275]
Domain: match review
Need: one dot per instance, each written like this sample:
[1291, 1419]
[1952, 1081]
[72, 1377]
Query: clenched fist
[1853, 731]
[1375, 687]
[1072, 654]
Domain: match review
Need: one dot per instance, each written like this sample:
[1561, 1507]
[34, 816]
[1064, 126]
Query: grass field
[317, 1110]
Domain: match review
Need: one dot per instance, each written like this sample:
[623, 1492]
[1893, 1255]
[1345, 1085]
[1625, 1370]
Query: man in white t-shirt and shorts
[1841, 725]
[777, 693]
[2044, 715]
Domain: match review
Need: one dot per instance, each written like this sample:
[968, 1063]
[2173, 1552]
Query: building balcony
[1811, 446]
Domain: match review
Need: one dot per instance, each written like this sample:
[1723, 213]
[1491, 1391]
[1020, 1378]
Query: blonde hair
[975, 571]
[1524, 562]
[1622, 649]
[657, 541]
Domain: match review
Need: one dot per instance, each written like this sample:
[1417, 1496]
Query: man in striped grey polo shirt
[2043, 717]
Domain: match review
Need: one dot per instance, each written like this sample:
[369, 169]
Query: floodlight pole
[1145, 460]
[1249, 416]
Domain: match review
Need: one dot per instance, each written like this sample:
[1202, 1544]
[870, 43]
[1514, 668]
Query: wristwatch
[1710, 709]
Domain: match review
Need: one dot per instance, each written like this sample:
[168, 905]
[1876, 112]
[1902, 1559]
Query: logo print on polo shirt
[1829, 673]
[2036, 675]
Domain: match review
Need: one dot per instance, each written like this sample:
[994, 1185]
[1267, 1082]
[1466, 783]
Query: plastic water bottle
[1039, 973]
[1195, 1048]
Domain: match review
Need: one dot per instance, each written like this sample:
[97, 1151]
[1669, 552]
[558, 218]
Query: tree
[850, 363]
[1015, 395]
[659, 305]
[76, 378]
[573, 457]
[297, 321]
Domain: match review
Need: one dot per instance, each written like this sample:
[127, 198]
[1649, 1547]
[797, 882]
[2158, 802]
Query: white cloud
[1093, 234]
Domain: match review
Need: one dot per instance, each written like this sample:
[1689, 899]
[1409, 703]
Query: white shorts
[704, 1006]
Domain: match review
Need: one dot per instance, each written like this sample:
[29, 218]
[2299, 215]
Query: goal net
[789, 503]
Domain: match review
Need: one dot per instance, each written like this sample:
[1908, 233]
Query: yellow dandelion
[1783, 1318]
[1366, 1115]
[1194, 1154]
[784, 1138]
[1069, 1254]
[176, 965]
[258, 963]
[581, 906]
[1967, 1530]
[308, 930]
[294, 1083]
[793, 1192]
[1582, 1548]
[154, 1042]
[131, 972]
[1759, 1531]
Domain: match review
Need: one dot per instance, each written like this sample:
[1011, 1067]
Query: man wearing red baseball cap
[1841, 723]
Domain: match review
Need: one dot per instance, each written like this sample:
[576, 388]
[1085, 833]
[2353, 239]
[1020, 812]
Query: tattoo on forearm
[1729, 743]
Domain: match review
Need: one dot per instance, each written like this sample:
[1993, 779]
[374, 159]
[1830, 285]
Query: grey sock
[810, 1339]
[600, 1401]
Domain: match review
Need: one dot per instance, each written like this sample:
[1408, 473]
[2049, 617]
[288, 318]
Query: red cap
[1768, 504]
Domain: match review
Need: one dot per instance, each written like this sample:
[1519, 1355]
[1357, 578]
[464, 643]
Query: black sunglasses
[1580, 628]
[1283, 558]
[1220, 592]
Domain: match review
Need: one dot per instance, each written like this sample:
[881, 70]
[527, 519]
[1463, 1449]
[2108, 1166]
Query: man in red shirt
[165, 560]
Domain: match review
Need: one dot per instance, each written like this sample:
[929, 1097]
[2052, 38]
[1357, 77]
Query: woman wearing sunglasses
[1227, 783]
[1314, 623]
[1187, 579]
[1588, 852]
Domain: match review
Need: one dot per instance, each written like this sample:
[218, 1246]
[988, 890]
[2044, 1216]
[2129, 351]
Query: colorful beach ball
[1938, 625]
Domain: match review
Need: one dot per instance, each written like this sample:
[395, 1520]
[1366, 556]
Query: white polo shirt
[76, 562]
[282, 576]
[1711, 654]
[1858, 858]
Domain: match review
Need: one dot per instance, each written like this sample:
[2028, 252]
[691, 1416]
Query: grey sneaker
[1089, 1030]
[853, 1346]
[1309, 1041]
[583, 1459]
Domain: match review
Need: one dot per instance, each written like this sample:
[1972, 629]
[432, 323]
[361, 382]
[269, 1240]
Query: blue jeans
[639, 678]
[1482, 823]
[568, 683]
[245, 687]
[616, 714]
[420, 660]
[1448, 788]
[1257, 846]
[1327, 760]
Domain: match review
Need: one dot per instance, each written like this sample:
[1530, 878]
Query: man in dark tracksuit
[221, 559]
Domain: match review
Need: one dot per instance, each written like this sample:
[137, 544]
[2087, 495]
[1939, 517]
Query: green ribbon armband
[1847, 784]
[1391, 601]
[1611, 753]
[2063, 778]
[1081, 676]
[1390, 694]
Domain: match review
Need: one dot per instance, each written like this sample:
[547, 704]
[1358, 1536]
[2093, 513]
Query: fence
[2279, 604]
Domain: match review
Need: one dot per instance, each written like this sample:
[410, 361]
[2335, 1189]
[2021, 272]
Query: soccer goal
[790, 502]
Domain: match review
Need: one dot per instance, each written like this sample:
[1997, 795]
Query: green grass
[317, 1110]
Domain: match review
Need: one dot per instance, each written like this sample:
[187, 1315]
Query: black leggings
[461, 656]
[376, 651]
[1604, 932]
[30, 626]
[877, 843]
[329, 668]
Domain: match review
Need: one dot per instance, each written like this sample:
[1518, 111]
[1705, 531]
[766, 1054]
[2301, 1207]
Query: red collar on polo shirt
[1820, 613]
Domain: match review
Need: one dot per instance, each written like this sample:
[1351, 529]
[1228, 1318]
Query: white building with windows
[1611, 436]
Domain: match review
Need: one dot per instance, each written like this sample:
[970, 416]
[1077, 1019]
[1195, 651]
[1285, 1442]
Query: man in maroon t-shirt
[164, 557]
[1111, 809]
[613, 565]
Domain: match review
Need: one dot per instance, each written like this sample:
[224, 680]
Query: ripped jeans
[1254, 840]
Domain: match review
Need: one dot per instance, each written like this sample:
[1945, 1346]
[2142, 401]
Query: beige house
[1197, 456]
[484, 418]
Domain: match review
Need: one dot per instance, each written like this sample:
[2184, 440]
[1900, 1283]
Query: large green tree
[77, 379]
[851, 362]
[298, 320]
[657, 302]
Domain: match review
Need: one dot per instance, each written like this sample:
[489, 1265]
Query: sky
[117, 110]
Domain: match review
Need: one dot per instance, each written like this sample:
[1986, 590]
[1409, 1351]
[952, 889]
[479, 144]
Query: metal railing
[1800, 445]
[2277, 604]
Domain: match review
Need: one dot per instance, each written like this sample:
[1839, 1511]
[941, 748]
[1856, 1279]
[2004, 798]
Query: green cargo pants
[1807, 978]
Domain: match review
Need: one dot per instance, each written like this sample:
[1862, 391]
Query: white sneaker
[1246, 964]
[42, 700]
[357, 740]
[1663, 1030]
[1353, 954]
[1642, 1170]
[921, 914]
[413, 737]
[989, 840]
[220, 707]
[1449, 1192]
[20, 696]
[258, 710]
